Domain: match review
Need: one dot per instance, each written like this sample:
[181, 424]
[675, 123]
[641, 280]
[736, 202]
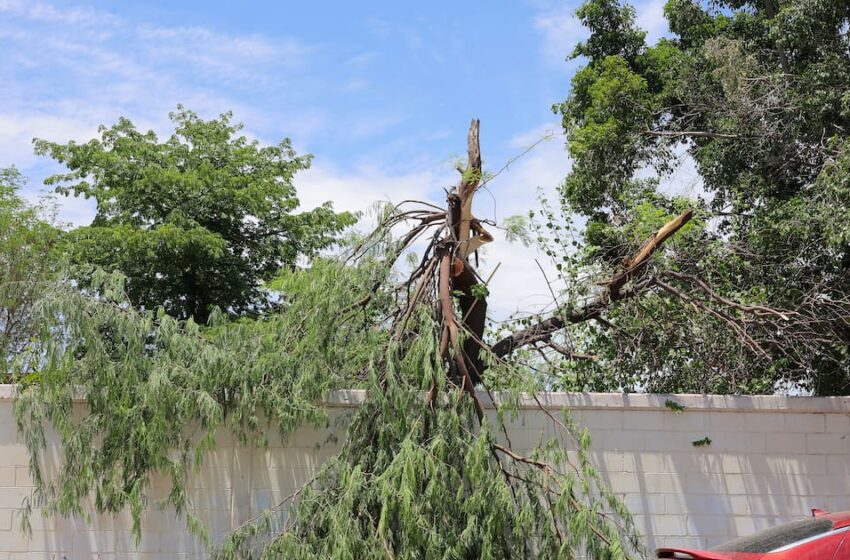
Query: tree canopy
[28, 261]
[195, 222]
[753, 296]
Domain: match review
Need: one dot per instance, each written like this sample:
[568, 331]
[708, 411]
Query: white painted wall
[771, 459]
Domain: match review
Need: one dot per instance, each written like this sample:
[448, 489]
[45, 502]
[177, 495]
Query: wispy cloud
[48, 13]
[560, 30]
[514, 192]
[222, 56]
[91, 66]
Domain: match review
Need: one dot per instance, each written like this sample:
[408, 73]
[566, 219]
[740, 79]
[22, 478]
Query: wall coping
[350, 398]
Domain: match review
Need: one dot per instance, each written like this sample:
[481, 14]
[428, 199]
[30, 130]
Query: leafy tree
[28, 238]
[754, 296]
[198, 221]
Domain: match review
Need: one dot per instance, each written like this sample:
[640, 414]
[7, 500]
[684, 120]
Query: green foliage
[415, 478]
[674, 406]
[195, 222]
[516, 229]
[418, 480]
[704, 442]
[147, 378]
[28, 238]
[757, 95]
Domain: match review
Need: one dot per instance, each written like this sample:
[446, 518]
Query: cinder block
[769, 505]
[838, 464]
[604, 419]
[644, 420]
[801, 505]
[649, 504]
[785, 443]
[604, 461]
[663, 462]
[837, 423]
[789, 464]
[665, 442]
[686, 421]
[15, 541]
[807, 423]
[658, 483]
[726, 463]
[703, 484]
[736, 442]
[707, 525]
[23, 478]
[623, 483]
[740, 526]
[7, 476]
[700, 504]
[669, 525]
[13, 496]
[828, 444]
[726, 421]
[619, 440]
[178, 541]
[14, 454]
[766, 422]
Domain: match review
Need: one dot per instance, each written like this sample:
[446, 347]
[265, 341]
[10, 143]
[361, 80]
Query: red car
[824, 536]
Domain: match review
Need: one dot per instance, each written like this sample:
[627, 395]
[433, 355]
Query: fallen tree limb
[613, 292]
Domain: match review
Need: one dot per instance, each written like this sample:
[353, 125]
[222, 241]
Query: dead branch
[612, 293]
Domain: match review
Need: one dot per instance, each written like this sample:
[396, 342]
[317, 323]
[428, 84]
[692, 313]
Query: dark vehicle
[824, 536]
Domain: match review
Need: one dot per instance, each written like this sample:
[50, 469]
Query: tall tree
[194, 222]
[754, 296]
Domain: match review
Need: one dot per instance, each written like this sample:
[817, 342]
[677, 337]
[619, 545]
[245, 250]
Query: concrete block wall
[771, 459]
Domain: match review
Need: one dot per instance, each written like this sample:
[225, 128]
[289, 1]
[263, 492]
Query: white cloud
[18, 131]
[560, 30]
[222, 56]
[90, 67]
[358, 189]
[42, 12]
[519, 285]
[650, 18]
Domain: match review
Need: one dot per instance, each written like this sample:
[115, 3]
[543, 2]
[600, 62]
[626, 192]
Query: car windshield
[777, 537]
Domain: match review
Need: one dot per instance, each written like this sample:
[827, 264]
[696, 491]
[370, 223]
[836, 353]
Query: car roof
[839, 520]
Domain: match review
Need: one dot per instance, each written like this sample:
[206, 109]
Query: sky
[381, 93]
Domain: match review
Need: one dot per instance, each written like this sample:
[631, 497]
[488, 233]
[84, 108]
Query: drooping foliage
[145, 378]
[755, 97]
[432, 483]
[420, 474]
[195, 222]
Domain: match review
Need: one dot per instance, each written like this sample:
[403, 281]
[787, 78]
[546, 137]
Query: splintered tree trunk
[464, 236]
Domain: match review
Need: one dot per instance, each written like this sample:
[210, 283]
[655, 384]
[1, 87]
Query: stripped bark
[613, 292]
[469, 236]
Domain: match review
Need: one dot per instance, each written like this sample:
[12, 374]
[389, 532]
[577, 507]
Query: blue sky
[380, 92]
